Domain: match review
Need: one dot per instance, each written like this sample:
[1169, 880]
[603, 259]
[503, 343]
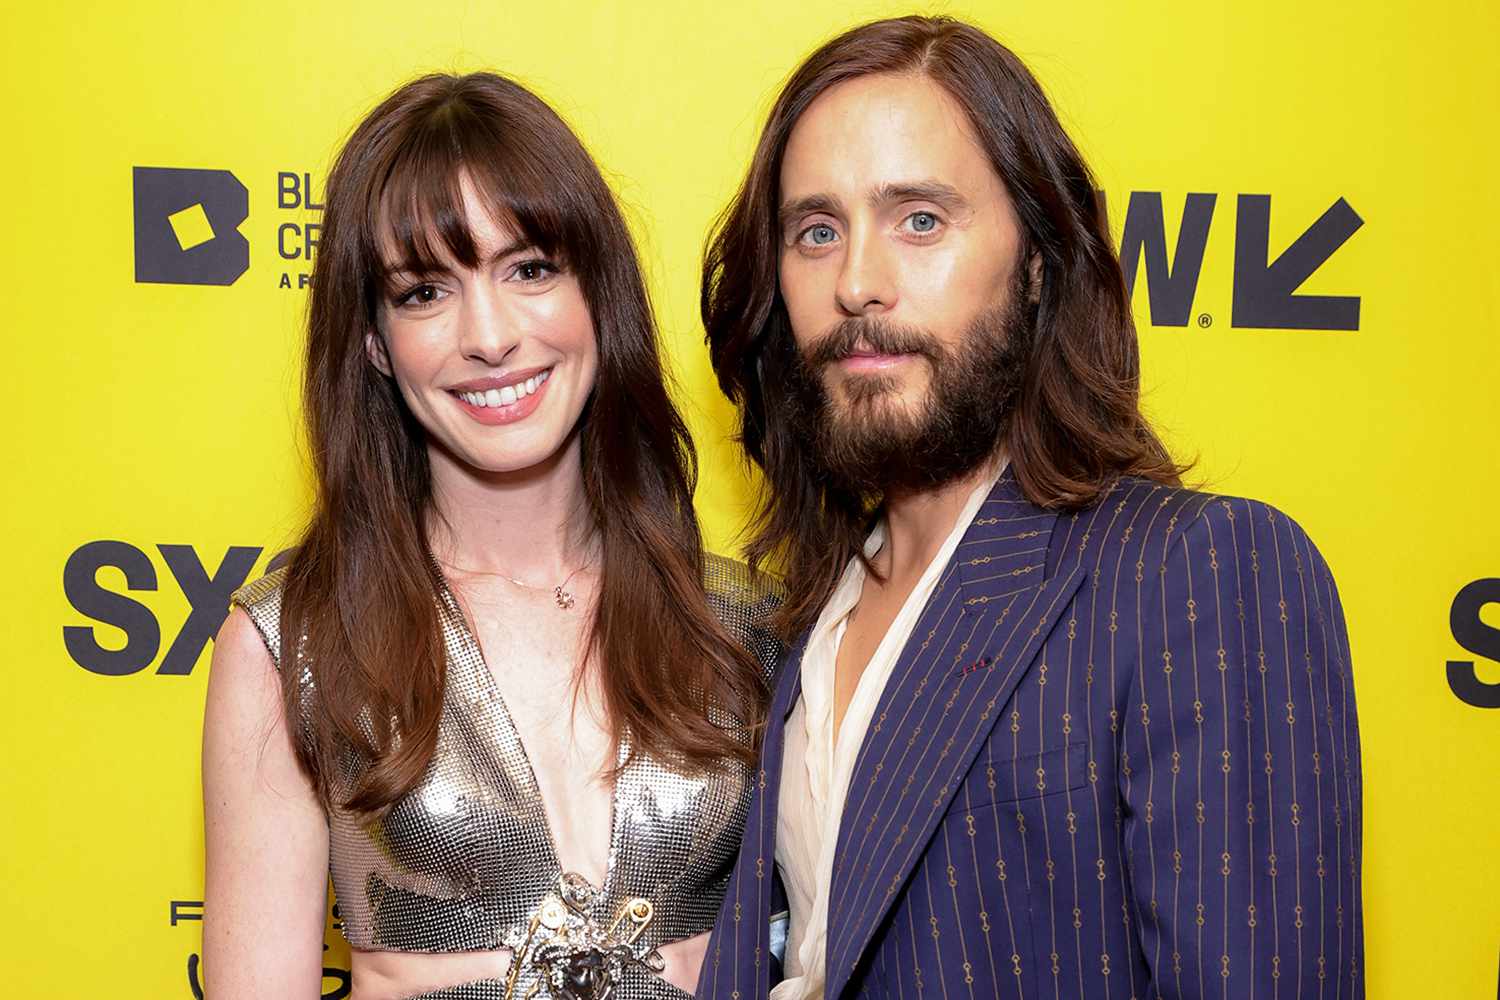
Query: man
[1053, 726]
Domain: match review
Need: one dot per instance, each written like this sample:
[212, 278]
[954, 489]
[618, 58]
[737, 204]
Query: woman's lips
[507, 404]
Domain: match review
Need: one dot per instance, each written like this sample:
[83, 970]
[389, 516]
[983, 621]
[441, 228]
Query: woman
[489, 692]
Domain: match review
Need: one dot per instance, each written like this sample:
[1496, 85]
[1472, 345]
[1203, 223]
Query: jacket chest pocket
[993, 781]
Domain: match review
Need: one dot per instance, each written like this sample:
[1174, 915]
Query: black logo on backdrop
[1264, 290]
[184, 909]
[207, 594]
[187, 226]
[1476, 637]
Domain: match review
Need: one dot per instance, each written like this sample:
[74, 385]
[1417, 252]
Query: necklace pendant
[564, 598]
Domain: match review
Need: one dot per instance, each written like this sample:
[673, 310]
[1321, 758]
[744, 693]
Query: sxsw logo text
[1477, 637]
[187, 226]
[1265, 289]
[207, 593]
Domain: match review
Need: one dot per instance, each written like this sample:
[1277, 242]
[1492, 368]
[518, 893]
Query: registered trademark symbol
[1205, 320]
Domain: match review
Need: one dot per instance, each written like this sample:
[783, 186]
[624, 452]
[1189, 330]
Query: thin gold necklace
[560, 593]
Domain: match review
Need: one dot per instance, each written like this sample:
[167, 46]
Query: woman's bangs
[421, 224]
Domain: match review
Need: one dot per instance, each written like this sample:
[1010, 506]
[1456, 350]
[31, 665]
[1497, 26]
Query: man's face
[898, 267]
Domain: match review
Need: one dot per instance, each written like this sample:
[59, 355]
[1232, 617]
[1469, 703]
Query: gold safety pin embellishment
[566, 955]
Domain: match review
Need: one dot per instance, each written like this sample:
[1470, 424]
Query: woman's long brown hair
[1077, 425]
[360, 601]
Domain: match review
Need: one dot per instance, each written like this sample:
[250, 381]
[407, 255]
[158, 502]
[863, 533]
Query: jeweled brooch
[567, 955]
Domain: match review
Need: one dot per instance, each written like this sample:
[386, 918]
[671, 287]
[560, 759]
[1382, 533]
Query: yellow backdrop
[156, 460]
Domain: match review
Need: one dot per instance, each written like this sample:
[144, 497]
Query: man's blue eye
[821, 235]
[923, 222]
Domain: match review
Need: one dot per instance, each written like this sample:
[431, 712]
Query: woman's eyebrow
[513, 247]
[417, 268]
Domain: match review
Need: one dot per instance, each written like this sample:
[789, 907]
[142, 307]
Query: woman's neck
[533, 525]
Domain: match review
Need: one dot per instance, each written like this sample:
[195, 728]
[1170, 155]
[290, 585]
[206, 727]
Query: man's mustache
[863, 334]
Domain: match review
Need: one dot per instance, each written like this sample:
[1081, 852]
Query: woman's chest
[519, 790]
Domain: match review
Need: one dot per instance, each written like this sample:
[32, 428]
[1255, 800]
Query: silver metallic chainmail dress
[466, 858]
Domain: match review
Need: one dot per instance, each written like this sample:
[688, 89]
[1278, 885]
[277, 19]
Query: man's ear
[1034, 282]
[376, 352]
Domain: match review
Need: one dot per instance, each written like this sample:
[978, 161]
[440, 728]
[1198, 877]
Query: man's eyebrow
[931, 190]
[891, 191]
[807, 205]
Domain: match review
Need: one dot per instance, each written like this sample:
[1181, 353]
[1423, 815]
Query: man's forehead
[882, 130]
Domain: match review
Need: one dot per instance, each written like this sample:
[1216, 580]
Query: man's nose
[867, 279]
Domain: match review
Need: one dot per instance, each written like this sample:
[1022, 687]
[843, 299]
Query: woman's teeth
[507, 395]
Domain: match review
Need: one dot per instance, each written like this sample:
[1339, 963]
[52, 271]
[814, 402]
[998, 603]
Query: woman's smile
[504, 399]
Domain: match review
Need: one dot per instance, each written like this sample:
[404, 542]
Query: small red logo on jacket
[983, 663]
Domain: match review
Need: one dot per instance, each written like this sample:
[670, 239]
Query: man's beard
[871, 444]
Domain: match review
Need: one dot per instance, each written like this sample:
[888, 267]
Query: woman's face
[496, 362]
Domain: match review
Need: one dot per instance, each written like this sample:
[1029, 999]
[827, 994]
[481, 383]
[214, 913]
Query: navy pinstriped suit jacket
[1118, 758]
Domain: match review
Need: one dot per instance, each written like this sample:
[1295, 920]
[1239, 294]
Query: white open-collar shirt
[815, 771]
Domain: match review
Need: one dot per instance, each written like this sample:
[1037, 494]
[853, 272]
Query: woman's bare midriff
[396, 975]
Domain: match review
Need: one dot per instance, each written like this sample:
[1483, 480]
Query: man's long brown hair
[360, 606]
[1077, 424]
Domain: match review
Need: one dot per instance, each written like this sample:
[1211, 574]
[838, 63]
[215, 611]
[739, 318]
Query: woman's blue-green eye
[923, 222]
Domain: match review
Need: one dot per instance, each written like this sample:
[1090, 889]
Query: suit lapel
[989, 615]
[750, 886]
